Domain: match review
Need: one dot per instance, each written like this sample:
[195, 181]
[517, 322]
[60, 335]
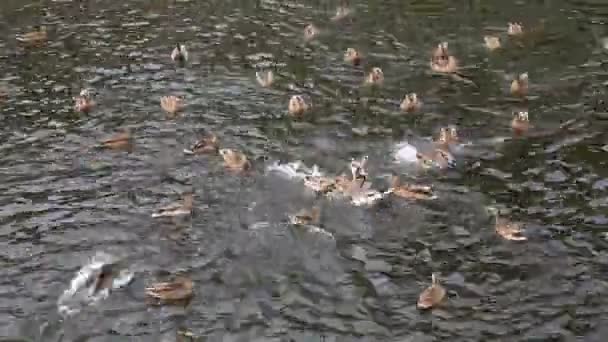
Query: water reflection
[257, 277]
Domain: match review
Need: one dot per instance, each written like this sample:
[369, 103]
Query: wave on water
[85, 290]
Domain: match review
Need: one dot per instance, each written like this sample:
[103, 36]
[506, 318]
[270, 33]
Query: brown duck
[121, 140]
[208, 144]
[410, 191]
[235, 160]
[432, 295]
[179, 289]
[306, 217]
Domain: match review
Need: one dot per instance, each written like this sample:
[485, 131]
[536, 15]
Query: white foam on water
[81, 292]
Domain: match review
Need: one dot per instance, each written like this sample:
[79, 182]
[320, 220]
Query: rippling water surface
[257, 278]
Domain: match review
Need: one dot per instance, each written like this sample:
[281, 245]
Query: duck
[410, 191]
[179, 54]
[492, 43]
[121, 140]
[172, 105]
[520, 123]
[306, 217]
[442, 61]
[425, 153]
[265, 78]
[310, 32]
[507, 229]
[37, 36]
[410, 103]
[298, 106]
[432, 295]
[174, 291]
[352, 56]
[375, 77]
[448, 137]
[84, 103]
[177, 209]
[519, 85]
[320, 184]
[515, 29]
[235, 160]
[208, 144]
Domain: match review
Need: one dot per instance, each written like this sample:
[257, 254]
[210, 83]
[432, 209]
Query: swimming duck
[121, 140]
[265, 78]
[298, 106]
[177, 209]
[306, 217]
[519, 86]
[177, 290]
[410, 103]
[171, 104]
[507, 229]
[84, 103]
[208, 144]
[375, 77]
[235, 160]
[448, 136]
[515, 29]
[352, 56]
[418, 192]
[432, 295]
[439, 158]
[38, 36]
[320, 184]
[179, 53]
[310, 32]
[442, 61]
[520, 123]
[492, 43]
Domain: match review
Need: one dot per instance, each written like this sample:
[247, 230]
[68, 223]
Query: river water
[257, 278]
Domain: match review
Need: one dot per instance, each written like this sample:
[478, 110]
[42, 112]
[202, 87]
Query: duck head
[410, 103]
[298, 105]
[352, 56]
[492, 43]
[515, 29]
[375, 77]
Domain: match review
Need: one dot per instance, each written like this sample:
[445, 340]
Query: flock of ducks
[441, 61]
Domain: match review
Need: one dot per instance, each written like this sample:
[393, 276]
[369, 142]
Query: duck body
[179, 54]
[432, 295]
[425, 153]
[207, 144]
[178, 289]
[176, 209]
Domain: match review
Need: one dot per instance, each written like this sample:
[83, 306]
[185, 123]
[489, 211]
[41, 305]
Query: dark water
[257, 278]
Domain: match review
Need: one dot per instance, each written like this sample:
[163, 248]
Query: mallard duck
[447, 136]
[208, 144]
[306, 217]
[410, 103]
[520, 123]
[177, 290]
[492, 43]
[438, 157]
[265, 78]
[519, 86]
[432, 295]
[507, 229]
[177, 209]
[442, 61]
[352, 56]
[515, 29]
[171, 104]
[179, 53]
[320, 184]
[121, 140]
[298, 106]
[84, 103]
[38, 36]
[310, 32]
[235, 160]
[410, 191]
[375, 77]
